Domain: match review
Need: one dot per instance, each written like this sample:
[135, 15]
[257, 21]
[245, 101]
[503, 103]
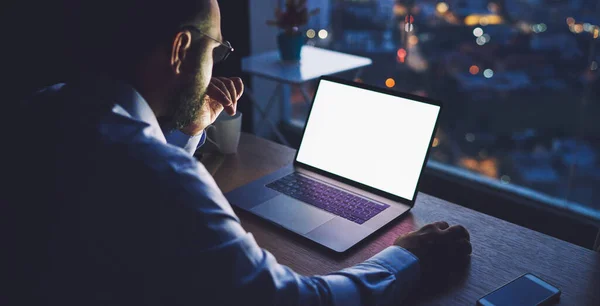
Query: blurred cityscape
[519, 79]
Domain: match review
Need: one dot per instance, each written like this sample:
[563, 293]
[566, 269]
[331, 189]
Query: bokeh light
[436, 142]
[442, 7]
[488, 167]
[483, 154]
[399, 9]
[401, 55]
[538, 28]
[594, 66]
[413, 40]
[401, 52]
[477, 32]
[493, 7]
[390, 83]
[323, 34]
[310, 33]
[484, 21]
[474, 70]
[570, 21]
[488, 73]
[470, 137]
[480, 40]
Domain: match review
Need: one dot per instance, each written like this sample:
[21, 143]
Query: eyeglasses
[221, 52]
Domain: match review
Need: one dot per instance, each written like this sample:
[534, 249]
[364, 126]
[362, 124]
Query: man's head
[194, 50]
[163, 48]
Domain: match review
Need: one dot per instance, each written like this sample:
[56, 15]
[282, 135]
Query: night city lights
[494, 64]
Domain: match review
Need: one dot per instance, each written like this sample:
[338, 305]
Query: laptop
[357, 168]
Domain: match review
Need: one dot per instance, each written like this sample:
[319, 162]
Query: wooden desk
[501, 250]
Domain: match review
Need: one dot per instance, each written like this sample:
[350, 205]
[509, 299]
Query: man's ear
[181, 46]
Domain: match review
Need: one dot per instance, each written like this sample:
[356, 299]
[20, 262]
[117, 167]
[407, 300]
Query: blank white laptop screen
[373, 138]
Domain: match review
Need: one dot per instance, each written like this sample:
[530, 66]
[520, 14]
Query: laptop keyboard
[333, 200]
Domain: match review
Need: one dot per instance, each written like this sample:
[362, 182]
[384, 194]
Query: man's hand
[438, 246]
[221, 94]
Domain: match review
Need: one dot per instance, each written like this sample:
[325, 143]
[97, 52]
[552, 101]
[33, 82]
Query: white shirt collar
[129, 103]
[137, 107]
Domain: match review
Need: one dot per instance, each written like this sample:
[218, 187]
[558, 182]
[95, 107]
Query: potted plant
[290, 40]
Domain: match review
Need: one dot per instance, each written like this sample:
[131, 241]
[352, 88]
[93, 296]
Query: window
[520, 80]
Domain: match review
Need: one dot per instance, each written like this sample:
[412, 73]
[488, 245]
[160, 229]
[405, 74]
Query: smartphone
[526, 290]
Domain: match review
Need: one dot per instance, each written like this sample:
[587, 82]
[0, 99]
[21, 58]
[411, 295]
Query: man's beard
[187, 101]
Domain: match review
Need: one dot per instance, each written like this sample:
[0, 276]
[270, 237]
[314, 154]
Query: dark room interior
[337, 149]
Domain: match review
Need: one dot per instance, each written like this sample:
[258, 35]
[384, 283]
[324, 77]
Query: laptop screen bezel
[350, 182]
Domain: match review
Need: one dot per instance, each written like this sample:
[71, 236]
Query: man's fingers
[234, 95]
[230, 86]
[458, 232]
[218, 95]
[239, 86]
[223, 87]
[235, 86]
[441, 225]
[464, 247]
[455, 251]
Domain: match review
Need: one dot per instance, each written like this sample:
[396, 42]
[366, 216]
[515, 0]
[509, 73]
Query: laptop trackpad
[292, 214]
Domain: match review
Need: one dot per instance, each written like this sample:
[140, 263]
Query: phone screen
[527, 290]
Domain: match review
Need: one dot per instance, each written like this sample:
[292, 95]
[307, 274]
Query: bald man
[118, 212]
